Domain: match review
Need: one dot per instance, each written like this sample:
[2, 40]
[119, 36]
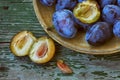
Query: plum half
[42, 50]
[87, 11]
[21, 43]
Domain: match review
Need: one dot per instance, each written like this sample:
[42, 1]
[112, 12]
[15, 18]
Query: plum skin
[81, 0]
[110, 13]
[103, 3]
[47, 2]
[63, 21]
[116, 28]
[65, 4]
[118, 2]
[98, 34]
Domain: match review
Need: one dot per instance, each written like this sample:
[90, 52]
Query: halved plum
[21, 43]
[87, 11]
[42, 50]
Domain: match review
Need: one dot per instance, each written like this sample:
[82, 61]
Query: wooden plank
[17, 13]
[7, 31]
[85, 67]
[20, 16]
[15, 1]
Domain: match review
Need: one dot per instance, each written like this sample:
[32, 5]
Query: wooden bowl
[44, 15]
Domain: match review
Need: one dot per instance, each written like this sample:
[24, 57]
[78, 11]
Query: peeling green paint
[100, 73]
[118, 76]
[64, 74]
[57, 79]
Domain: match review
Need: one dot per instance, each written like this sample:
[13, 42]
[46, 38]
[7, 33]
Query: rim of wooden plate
[44, 15]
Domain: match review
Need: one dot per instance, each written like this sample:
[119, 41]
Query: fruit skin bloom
[103, 3]
[63, 21]
[116, 29]
[99, 33]
[118, 2]
[81, 0]
[65, 4]
[47, 2]
[87, 12]
[110, 13]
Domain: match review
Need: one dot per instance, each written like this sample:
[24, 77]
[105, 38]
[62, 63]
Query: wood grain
[85, 66]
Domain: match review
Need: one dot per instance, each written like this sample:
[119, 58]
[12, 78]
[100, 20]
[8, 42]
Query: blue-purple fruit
[98, 34]
[110, 13]
[116, 29]
[65, 4]
[47, 2]
[63, 21]
[103, 3]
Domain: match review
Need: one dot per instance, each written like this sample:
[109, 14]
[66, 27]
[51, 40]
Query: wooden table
[19, 15]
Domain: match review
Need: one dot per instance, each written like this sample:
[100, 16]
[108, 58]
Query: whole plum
[48, 2]
[116, 28]
[98, 34]
[110, 13]
[65, 4]
[63, 21]
[106, 2]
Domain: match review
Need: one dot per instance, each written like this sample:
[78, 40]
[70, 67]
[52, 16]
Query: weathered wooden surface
[18, 15]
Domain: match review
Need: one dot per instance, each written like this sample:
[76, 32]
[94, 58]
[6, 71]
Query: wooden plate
[44, 15]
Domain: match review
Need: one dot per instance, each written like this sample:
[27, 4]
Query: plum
[42, 50]
[21, 43]
[63, 21]
[65, 4]
[48, 2]
[106, 2]
[87, 11]
[98, 34]
[110, 13]
[116, 28]
[118, 2]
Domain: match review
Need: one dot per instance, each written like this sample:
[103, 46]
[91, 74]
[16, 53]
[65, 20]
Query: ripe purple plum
[63, 21]
[116, 28]
[110, 13]
[99, 33]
